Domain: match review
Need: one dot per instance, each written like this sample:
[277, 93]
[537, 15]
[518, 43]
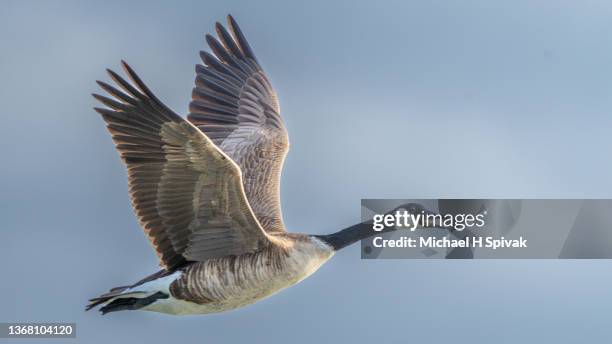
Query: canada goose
[206, 189]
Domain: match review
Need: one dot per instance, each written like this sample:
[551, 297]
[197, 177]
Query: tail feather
[93, 302]
[131, 303]
[120, 289]
[122, 298]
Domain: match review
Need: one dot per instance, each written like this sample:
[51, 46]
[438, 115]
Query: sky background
[397, 99]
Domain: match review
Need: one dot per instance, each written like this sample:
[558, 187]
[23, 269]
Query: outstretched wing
[235, 105]
[187, 194]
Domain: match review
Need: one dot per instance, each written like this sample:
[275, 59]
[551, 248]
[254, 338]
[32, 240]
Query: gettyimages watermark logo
[403, 218]
[415, 218]
[484, 229]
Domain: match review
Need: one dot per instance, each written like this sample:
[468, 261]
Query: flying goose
[206, 189]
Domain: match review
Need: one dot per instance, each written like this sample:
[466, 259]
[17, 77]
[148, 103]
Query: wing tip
[231, 20]
[240, 38]
[206, 57]
[101, 111]
[113, 75]
[210, 39]
[218, 26]
[130, 72]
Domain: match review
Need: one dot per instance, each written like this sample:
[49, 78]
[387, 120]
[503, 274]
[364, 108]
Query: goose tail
[105, 298]
[124, 301]
[136, 296]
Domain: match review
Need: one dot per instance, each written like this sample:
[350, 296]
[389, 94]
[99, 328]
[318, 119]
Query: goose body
[206, 189]
[226, 283]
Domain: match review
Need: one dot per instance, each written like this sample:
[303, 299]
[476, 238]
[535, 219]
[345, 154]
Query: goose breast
[225, 283]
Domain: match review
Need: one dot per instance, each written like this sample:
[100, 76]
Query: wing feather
[187, 194]
[235, 105]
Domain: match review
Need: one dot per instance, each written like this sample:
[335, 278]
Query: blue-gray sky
[397, 99]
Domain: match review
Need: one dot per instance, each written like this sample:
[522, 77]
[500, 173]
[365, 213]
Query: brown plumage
[206, 191]
[187, 194]
[235, 105]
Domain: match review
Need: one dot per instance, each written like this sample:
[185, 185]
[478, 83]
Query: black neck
[351, 235]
